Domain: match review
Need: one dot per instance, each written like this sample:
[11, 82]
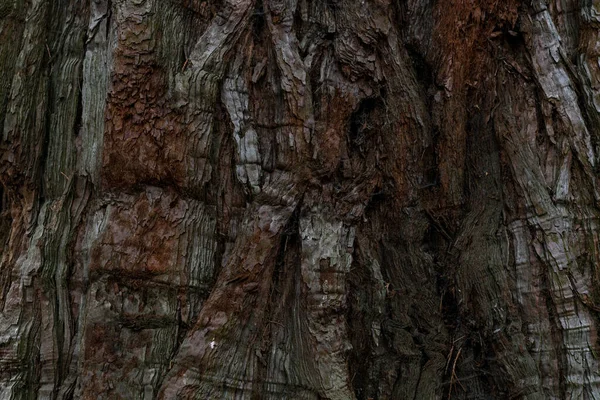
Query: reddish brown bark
[299, 199]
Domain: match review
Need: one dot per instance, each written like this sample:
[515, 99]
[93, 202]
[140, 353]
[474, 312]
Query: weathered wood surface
[299, 199]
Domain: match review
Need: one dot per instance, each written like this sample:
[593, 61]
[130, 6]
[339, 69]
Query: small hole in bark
[258, 20]
[300, 28]
[429, 159]
[379, 196]
[512, 34]
[423, 71]
[431, 173]
[362, 122]
[329, 36]
[513, 38]
[432, 240]
[79, 112]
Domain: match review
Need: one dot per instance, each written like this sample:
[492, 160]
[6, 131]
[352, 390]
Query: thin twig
[458, 380]
[449, 358]
[456, 340]
[277, 323]
[454, 374]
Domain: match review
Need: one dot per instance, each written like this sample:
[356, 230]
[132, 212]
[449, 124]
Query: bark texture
[299, 199]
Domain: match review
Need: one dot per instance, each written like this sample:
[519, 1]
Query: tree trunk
[299, 199]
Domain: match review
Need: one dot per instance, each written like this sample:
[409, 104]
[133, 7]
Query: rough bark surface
[299, 199]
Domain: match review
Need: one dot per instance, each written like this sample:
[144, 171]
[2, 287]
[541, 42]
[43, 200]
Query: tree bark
[299, 199]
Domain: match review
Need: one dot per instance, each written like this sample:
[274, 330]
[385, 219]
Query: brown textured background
[299, 199]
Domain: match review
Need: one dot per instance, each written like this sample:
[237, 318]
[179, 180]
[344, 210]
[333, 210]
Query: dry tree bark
[299, 199]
